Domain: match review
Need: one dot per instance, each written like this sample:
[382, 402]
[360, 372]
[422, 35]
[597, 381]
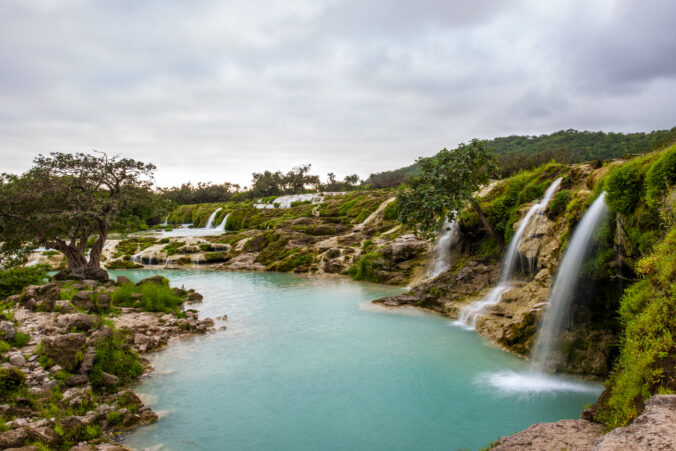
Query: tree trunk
[486, 224]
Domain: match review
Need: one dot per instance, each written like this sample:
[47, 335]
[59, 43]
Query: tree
[352, 180]
[443, 186]
[68, 202]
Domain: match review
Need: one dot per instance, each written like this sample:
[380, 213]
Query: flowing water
[469, 314]
[442, 252]
[308, 364]
[210, 221]
[563, 290]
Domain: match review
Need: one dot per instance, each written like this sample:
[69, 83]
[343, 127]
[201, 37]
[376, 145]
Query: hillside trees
[443, 186]
[68, 202]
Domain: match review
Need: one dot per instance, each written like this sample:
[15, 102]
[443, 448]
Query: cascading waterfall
[563, 290]
[447, 238]
[469, 314]
[221, 226]
[166, 221]
[210, 221]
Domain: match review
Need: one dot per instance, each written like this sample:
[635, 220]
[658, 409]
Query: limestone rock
[78, 321]
[653, 430]
[83, 300]
[64, 349]
[573, 435]
[194, 297]
[7, 331]
[13, 438]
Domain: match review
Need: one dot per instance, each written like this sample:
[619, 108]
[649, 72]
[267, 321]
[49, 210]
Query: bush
[115, 356]
[645, 365]
[154, 297]
[391, 212]
[367, 268]
[12, 281]
[11, 380]
[661, 176]
[20, 339]
[623, 187]
[559, 203]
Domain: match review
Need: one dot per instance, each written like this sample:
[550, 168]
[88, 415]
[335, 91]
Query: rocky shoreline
[60, 396]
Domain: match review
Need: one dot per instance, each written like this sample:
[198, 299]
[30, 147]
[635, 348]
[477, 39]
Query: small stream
[311, 364]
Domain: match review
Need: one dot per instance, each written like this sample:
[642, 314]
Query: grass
[151, 297]
[13, 281]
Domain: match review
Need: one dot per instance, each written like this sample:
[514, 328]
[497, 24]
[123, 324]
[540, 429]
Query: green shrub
[216, 257]
[115, 356]
[367, 267]
[11, 380]
[155, 297]
[114, 417]
[648, 314]
[623, 187]
[20, 339]
[12, 281]
[391, 212]
[661, 176]
[559, 203]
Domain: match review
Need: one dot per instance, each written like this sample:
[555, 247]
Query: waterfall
[210, 222]
[446, 239]
[221, 226]
[166, 221]
[469, 314]
[566, 280]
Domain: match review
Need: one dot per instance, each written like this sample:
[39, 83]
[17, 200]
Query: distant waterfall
[469, 314]
[221, 226]
[563, 291]
[166, 221]
[210, 222]
[448, 235]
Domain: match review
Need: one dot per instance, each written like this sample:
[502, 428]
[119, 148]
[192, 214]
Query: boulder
[77, 321]
[88, 360]
[13, 438]
[103, 301]
[7, 331]
[110, 380]
[83, 273]
[565, 434]
[64, 307]
[17, 360]
[654, 429]
[121, 280]
[83, 300]
[194, 298]
[154, 279]
[334, 266]
[66, 350]
[75, 380]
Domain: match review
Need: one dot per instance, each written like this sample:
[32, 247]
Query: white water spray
[221, 226]
[210, 221]
[166, 221]
[469, 314]
[565, 284]
[448, 236]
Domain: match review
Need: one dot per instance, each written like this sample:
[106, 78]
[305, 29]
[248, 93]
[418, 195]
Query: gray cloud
[214, 90]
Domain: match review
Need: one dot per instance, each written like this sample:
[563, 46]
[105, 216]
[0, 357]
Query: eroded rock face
[572, 435]
[66, 350]
[653, 430]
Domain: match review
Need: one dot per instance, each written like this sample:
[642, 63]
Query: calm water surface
[310, 364]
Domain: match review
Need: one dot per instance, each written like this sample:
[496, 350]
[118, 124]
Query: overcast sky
[214, 90]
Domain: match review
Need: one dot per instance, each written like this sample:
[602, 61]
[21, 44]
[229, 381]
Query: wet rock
[194, 298]
[334, 266]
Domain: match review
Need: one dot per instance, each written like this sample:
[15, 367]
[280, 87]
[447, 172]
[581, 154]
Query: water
[210, 221]
[442, 252]
[470, 313]
[166, 221]
[311, 364]
[563, 290]
[221, 226]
